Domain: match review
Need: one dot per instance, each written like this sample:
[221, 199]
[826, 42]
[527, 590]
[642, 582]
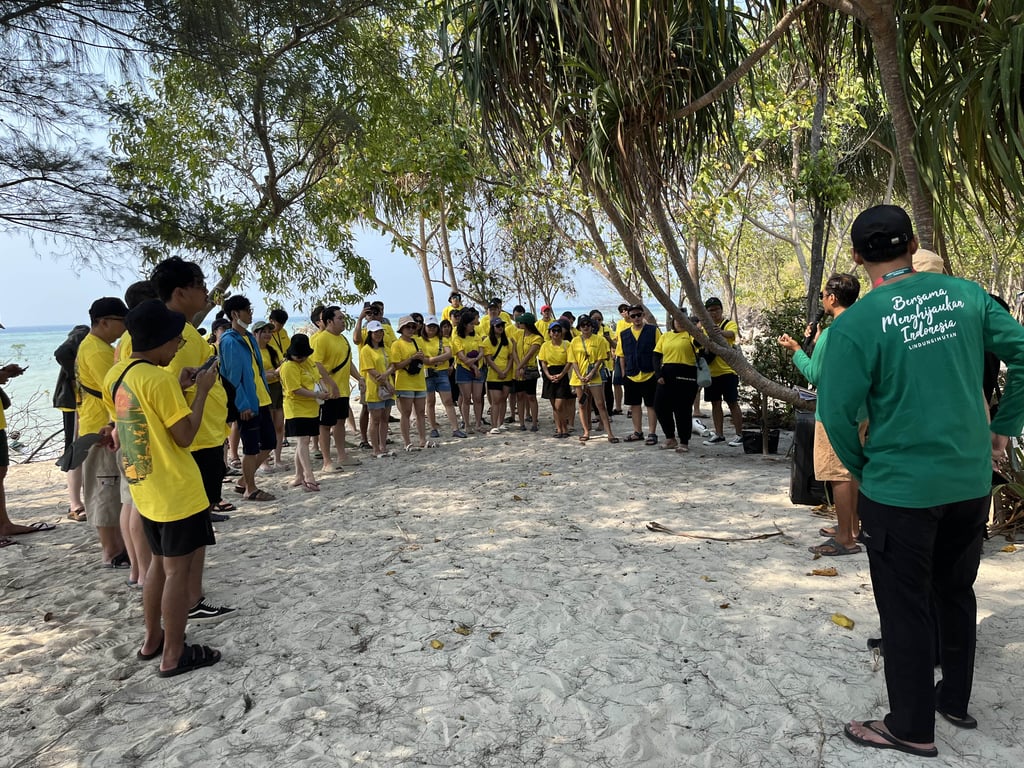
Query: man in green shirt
[910, 352]
[840, 292]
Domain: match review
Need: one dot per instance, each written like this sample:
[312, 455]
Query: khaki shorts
[101, 485]
[827, 466]
[124, 489]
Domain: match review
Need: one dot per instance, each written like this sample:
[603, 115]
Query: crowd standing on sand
[159, 420]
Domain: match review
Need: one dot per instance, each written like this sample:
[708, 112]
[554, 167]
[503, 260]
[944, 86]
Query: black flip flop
[192, 657]
[891, 742]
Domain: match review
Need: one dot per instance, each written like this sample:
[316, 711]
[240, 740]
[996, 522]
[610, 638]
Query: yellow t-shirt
[554, 354]
[262, 393]
[331, 351]
[123, 348]
[163, 478]
[446, 313]
[267, 361]
[718, 366]
[485, 323]
[676, 348]
[194, 352]
[467, 346]
[371, 359]
[3, 418]
[295, 376]
[404, 381]
[640, 377]
[95, 358]
[501, 356]
[524, 342]
[280, 341]
[435, 347]
[587, 353]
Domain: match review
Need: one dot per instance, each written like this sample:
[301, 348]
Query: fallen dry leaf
[1009, 548]
[390, 573]
[843, 621]
[516, 497]
[493, 635]
[706, 578]
[545, 474]
[724, 605]
[830, 571]
[437, 645]
[462, 629]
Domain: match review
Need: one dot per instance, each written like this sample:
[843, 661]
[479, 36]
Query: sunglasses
[636, 314]
[556, 330]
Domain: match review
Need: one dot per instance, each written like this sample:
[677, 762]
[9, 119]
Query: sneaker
[714, 439]
[698, 427]
[736, 442]
[434, 433]
[495, 431]
[202, 612]
[459, 433]
[217, 517]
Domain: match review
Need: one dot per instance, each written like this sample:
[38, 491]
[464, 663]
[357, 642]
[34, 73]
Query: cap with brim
[527, 318]
[406, 320]
[493, 303]
[108, 306]
[497, 320]
[881, 229]
[545, 308]
[431, 320]
[555, 324]
[151, 324]
[374, 325]
[74, 457]
[259, 325]
[299, 346]
[928, 261]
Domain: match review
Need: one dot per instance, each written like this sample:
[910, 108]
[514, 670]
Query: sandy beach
[497, 601]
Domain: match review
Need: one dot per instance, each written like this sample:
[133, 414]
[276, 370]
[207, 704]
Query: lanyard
[892, 275]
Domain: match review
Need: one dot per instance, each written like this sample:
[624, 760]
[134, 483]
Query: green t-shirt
[911, 351]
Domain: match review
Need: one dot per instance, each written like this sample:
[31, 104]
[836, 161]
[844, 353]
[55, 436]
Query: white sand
[591, 640]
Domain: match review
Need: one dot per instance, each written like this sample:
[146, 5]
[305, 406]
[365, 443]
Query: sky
[41, 288]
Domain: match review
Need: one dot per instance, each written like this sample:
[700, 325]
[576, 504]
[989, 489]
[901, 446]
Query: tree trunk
[422, 256]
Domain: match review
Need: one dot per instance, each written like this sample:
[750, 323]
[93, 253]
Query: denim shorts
[379, 406]
[410, 393]
[463, 376]
[437, 381]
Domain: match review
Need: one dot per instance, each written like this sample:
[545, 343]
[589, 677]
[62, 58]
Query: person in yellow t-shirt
[7, 527]
[303, 400]
[554, 365]
[454, 304]
[635, 354]
[608, 332]
[493, 310]
[587, 355]
[725, 384]
[527, 343]
[65, 398]
[239, 363]
[375, 367]
[334, 352]
[279, 339]
[155, 427]
[410, 382]
[675, 363]
[500, 360]
[621, 324]
[271, 360]
[469, 368]
[438, 351]
[181, 286]
[373, 311]
[547, 317]
[99, 471]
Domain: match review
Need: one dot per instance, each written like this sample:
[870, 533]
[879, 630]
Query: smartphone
[206, 366]
[366, 305]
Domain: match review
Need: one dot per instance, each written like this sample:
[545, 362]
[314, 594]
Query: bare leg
[652, 421]
[75, 489]
[584, 410]
[602, 410]
[129, 543]
[233, 439]
[418, 404]
[111, 541]
[195, 589]
[325, 448]
[364, 421]
[465, 400]
[404, 412]
[737, 417]
[142, 551]
[174, 605]
[278, 416]
[717, 417]
[249, 465]
[449, 408]
[338, 432]
[848, 527]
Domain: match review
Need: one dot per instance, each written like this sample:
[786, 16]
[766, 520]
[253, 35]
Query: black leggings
[673, 401]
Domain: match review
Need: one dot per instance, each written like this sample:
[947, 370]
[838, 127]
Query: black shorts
[180, 538]
[211, 466]
[725, 387]
[639, 393]
[258, 433]
[5, 452]
[529, 386]
[276, 395]
[306, 426]
[332, 411]
[496, 385]
[557, 390]
[69, 429]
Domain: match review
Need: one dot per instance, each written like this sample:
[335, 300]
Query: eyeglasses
[556, 330]
[635, 315]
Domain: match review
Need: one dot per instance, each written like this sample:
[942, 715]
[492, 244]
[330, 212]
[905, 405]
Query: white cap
[374, 325]
[431, 320]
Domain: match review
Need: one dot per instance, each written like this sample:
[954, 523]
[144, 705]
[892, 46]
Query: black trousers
[923, 566]
[673, 401]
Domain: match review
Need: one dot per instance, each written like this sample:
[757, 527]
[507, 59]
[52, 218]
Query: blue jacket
[236, 359]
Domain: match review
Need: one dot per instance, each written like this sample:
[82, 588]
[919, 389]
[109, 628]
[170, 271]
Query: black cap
[108, 306]
[299, 346]
[714, 301]
[455, 295]
[882, 232]
[151, 324]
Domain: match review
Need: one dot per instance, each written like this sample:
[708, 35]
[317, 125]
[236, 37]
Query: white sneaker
[495, 431]
[714, 440]
[736, 442]
[699, 428]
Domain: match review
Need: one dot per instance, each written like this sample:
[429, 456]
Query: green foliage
[769, 357]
